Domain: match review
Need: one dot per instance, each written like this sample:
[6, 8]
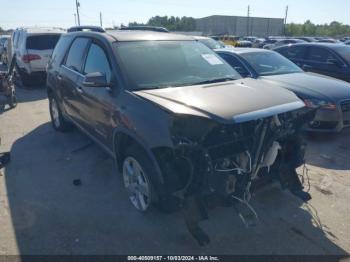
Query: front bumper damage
[214, 165]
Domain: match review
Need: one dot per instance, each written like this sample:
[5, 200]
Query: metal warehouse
[240, 26]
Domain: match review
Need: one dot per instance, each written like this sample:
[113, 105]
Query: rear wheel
[59, 123]
[137, 172]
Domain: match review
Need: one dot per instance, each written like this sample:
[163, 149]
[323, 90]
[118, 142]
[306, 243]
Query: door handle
[80, 90]
[59, 77]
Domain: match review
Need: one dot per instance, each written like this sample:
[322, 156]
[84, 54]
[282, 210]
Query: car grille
[345, 106]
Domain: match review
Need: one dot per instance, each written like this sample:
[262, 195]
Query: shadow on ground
[52, 216]
[330, 151]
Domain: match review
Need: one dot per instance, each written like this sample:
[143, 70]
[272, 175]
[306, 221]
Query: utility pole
[77, 4]
[101, 19]
[285, 19]
[248, 20]
[75, 19]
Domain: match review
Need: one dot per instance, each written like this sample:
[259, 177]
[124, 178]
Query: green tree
[309, 29]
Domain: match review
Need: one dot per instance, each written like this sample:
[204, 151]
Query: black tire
[149, 173]
[13, 101]
[59, 123]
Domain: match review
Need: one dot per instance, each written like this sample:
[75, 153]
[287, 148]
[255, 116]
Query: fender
[138, 140]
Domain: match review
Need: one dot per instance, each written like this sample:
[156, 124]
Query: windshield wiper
[215, 80]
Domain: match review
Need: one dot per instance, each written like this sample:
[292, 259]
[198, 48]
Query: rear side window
[296, 52]
[75, 56]
[97, 61]
[42, 42]
[320, 55]
[60, 50]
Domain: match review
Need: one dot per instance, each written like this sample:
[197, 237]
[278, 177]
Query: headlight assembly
[316, 103]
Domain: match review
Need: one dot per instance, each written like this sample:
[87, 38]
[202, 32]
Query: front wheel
[59, 123]
[137, 171]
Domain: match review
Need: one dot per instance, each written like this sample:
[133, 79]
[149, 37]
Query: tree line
[334, 29]
[172, 23]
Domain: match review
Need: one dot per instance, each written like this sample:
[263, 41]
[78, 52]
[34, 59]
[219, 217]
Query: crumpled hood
[241, 100]
[312, 85]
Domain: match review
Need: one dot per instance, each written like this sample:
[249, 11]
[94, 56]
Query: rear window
[42, 42]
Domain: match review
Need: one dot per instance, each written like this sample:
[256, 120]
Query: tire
[138, 172]
[58, 122]
[13, 101]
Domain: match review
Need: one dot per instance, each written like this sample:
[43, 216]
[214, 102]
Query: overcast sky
[16, 13]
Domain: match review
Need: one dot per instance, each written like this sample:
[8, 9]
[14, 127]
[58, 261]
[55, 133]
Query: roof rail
[86, 28]
[146, 28]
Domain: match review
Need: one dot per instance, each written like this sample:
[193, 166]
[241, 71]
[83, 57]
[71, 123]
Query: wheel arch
[122, 138]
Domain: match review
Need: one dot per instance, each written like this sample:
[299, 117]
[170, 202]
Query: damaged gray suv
[185, 130]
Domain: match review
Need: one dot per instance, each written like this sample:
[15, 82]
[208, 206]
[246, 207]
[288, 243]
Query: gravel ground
[42, 212]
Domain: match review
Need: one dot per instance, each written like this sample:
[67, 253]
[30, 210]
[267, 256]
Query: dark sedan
[330, 96]
[326, 59]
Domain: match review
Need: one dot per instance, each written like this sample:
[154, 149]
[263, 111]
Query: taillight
[30, 57]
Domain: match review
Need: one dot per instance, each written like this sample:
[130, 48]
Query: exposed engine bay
[215, 164]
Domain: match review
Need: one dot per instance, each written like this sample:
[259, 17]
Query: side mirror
[96, 79]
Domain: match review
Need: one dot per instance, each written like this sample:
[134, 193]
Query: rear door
[323, 61]
[70, 73]
[40, 48]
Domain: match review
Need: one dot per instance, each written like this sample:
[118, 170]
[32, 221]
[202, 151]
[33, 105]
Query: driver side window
[97, 61]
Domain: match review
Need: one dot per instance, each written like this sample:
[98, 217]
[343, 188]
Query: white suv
[32, 49]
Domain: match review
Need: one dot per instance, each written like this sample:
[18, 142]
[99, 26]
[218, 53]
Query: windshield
[161, 64]
[270, 63]
[42, 42]
[211, 43]
[344, 51]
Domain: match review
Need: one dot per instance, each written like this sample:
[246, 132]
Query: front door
[323, 61]
[99, 103]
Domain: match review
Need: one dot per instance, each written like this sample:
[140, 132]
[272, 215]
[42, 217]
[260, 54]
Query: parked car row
[274, 42]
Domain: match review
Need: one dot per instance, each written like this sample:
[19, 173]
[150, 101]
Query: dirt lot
[42, 212]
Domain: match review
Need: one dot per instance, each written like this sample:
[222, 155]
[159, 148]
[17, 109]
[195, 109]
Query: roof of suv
[134, 35]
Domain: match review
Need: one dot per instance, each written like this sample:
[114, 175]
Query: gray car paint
[225, 101]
